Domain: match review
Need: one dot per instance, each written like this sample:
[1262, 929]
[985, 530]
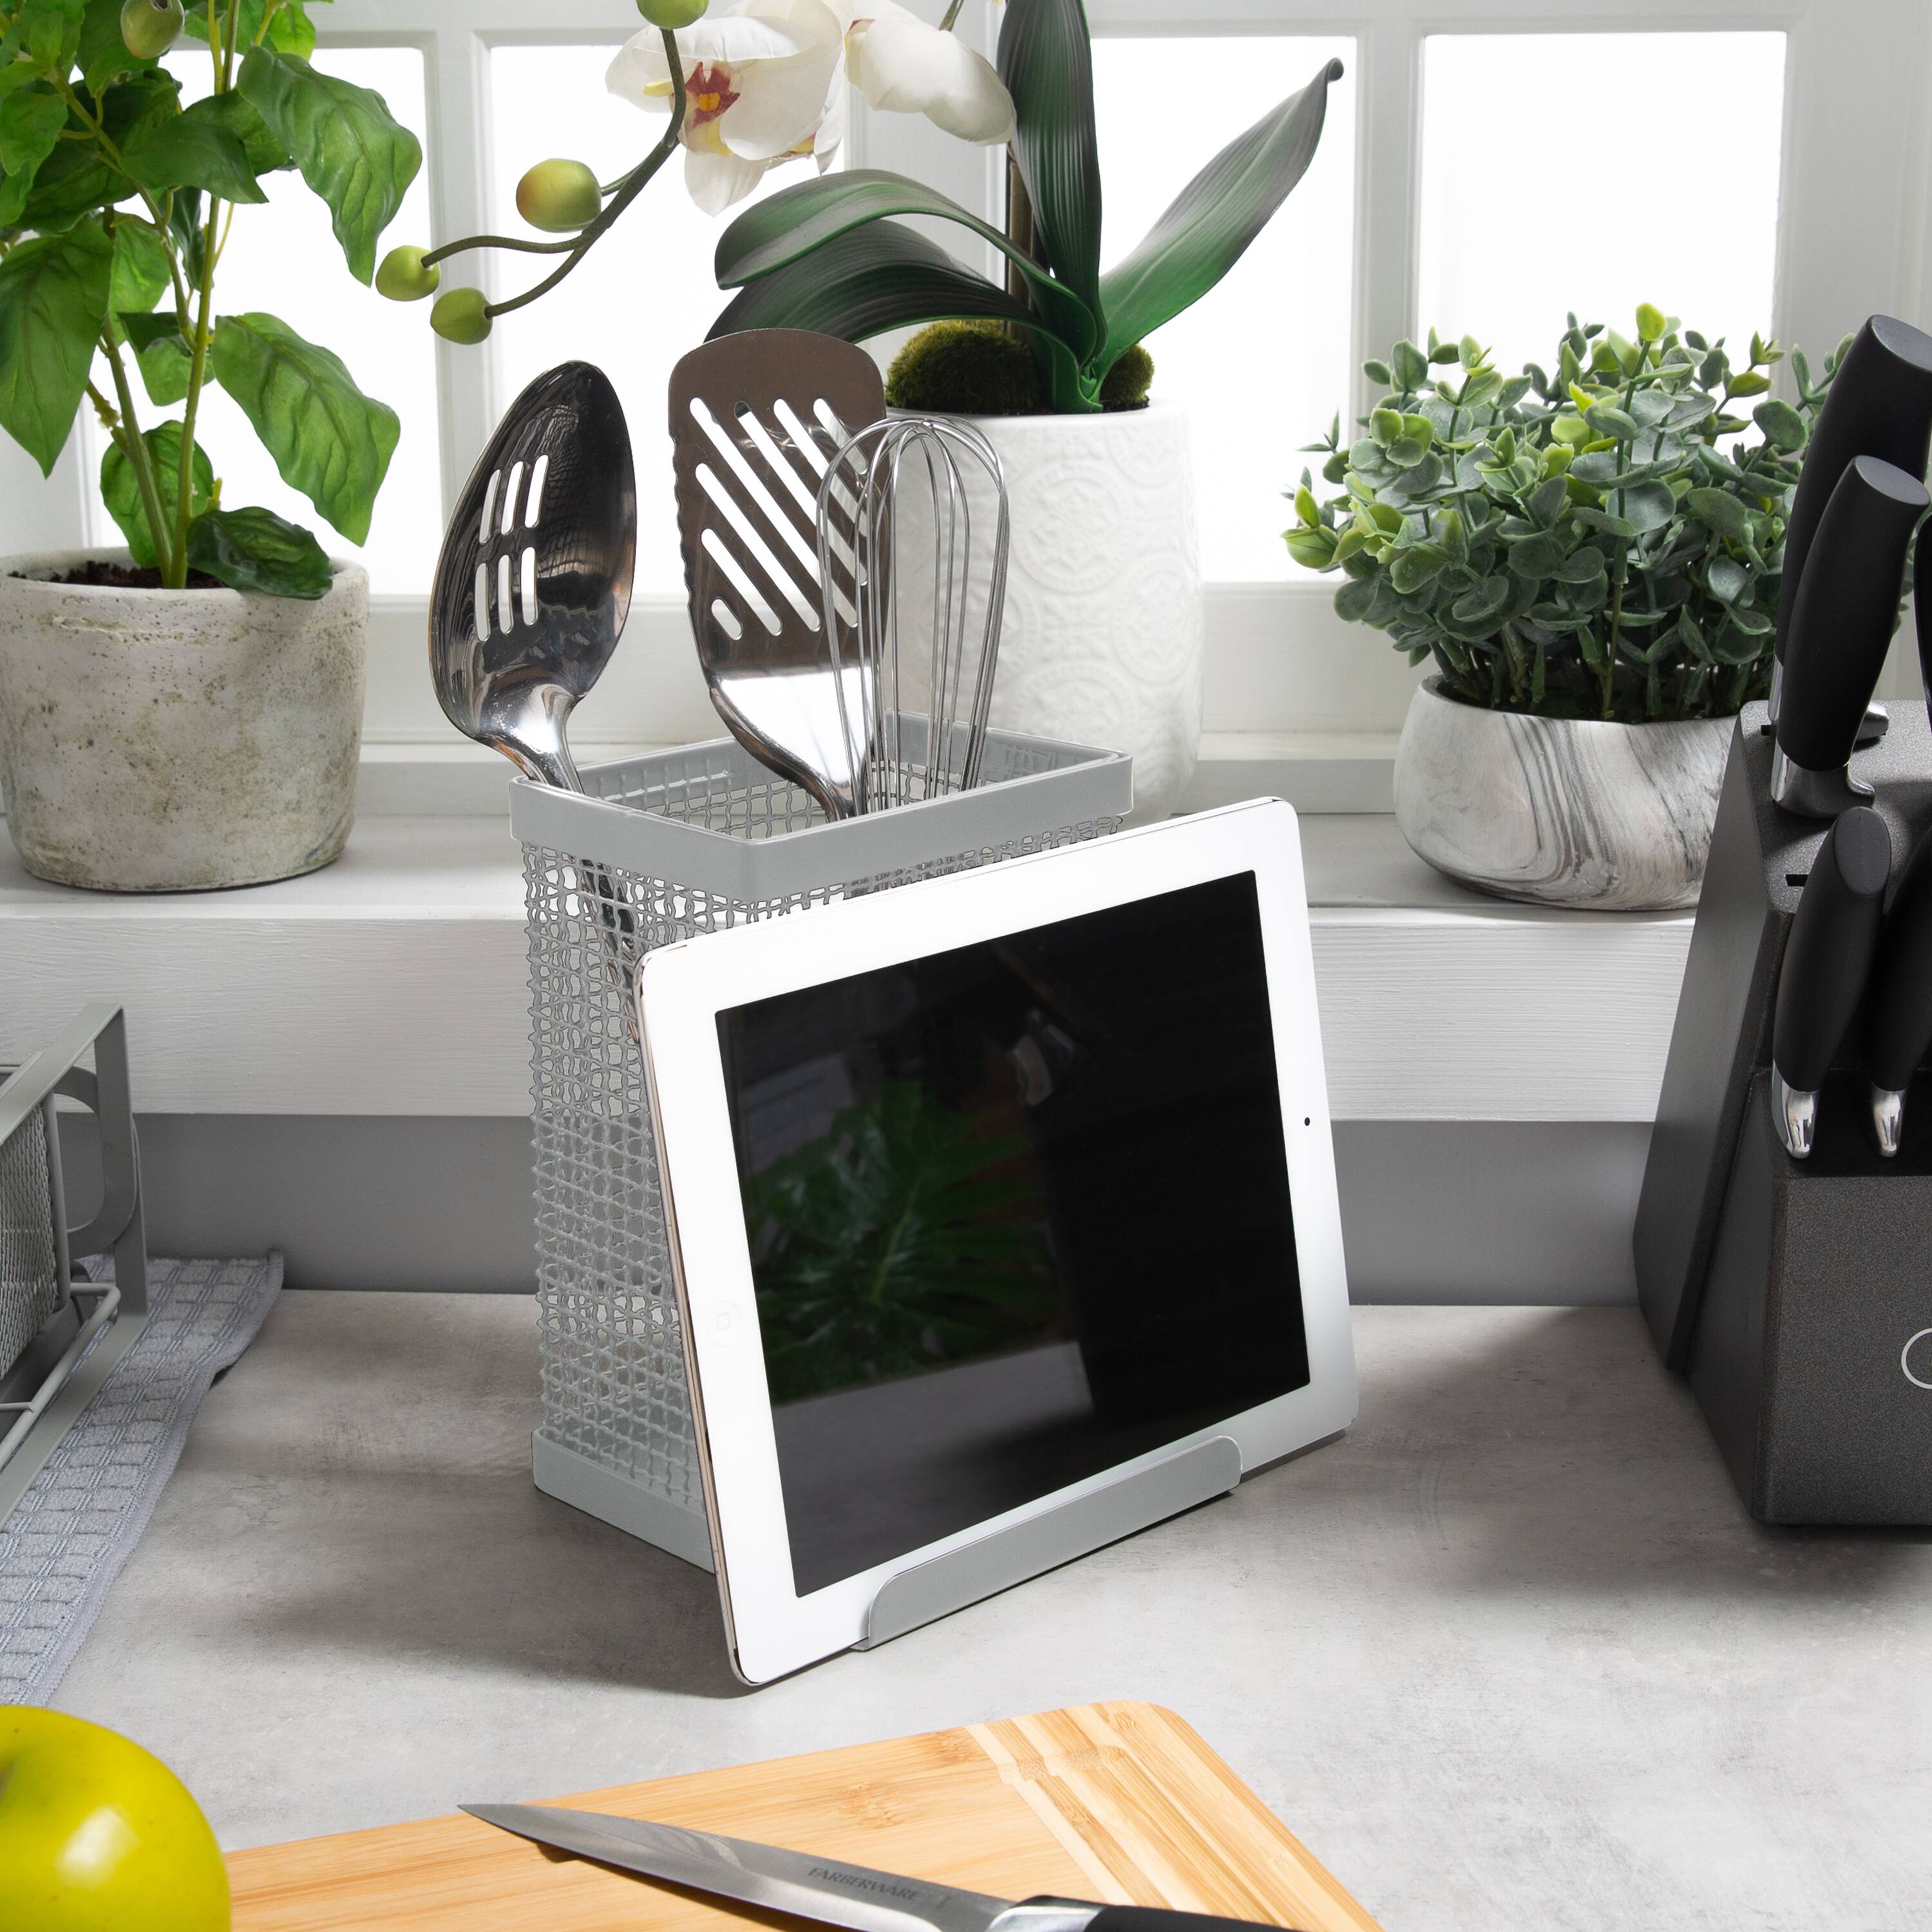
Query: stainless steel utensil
[756, 420]
[827, 1889]
[532, 590]
[867, 535]
[534, 582]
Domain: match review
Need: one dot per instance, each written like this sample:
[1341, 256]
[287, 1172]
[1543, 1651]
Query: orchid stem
[952, 14]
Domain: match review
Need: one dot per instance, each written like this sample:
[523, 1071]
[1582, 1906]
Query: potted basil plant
[186, 711]
[1589, 559]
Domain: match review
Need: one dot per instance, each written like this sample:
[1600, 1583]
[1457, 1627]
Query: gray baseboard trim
[601, 1492]
[1465, 1211]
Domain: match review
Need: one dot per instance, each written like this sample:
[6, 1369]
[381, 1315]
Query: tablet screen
[1018, 1212]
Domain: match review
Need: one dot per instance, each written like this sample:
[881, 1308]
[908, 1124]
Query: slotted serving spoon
[534, 582]
[756, 420]
[532, 590]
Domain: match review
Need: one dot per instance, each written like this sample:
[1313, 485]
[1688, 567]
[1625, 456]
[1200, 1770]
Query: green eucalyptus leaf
[121, 493]
[1485, 601]
[1580, 565]
[1353, 599]
[1546, 500]
[1208, 228]
[1535, 557]
[1411, 366]
[1753, 383]
[53, 305]
[1783, 427]
[257, 551]
[1045, 58]
[328, 439]
[351, 150]
[1379, 372]
[1648, 507]
[1724, 513]
[1727, 579]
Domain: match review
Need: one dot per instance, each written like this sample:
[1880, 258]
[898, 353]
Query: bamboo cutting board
[1119, 1802]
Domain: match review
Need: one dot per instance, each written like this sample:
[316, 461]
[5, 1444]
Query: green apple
[97, 1836]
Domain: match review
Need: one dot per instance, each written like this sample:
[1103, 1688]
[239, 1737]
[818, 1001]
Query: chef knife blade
[1898, 1002]
[828, 1890]
[1841, 630]
[1827, 958]
[1880, 404]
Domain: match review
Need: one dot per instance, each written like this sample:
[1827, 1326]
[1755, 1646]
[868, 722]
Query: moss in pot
[1590, 557]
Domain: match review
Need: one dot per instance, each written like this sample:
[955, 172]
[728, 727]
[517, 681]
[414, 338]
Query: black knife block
[1776, 1285]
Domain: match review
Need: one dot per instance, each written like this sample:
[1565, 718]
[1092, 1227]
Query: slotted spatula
[756, 420]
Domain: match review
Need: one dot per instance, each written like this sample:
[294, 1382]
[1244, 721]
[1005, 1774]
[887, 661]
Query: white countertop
[1509, 1656]
[393, 983]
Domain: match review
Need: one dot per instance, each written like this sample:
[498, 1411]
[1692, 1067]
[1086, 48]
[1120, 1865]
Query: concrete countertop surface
[1509, 1655]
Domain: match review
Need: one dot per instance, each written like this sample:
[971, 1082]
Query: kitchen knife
[1840, 629]
[1921, 601]
[1880, 404]
[825, 1889]
[1898, 1002]
[1828, 958]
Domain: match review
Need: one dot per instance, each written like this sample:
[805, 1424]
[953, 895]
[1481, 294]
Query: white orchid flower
[759, 82]
[764, 85]
[899, 63]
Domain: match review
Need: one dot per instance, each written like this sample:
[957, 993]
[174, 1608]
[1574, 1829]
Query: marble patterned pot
[176, 740]
[1561, 811]
[1106, 625]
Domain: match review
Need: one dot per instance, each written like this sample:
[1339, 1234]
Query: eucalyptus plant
[1602, 541]
[117, 203]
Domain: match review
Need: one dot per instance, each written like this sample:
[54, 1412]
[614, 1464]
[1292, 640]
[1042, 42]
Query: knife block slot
[1741, 1252]
[1820, 1285]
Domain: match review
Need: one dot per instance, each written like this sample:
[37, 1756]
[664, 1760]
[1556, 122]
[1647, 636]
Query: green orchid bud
[461, 315]
[402, 277]
[672, 14]
[558, 197]
[148, 28]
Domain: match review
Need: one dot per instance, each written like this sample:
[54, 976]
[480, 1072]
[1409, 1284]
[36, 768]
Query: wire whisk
[876, 534]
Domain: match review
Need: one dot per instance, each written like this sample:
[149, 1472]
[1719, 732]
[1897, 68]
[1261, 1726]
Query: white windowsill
[393, 983]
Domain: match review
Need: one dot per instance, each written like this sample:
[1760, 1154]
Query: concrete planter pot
[176, 740]
[1105, 627]
[1561, 811]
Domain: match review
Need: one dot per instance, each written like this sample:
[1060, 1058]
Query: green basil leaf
[788, 226]
[122, 493]
[329, 440]
[74, 180]
[351, 150]
[141, 277]
[879, 276]
[190, 153]
[234, 113]
[1046, 61]
[30, 120]
[102, 56]
[47, 32]
[257, 551]
[53, 305]
[1213, 220]
[290, 30]
[165, 360]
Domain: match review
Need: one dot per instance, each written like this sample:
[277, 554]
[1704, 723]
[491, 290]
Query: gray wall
[1431, 1212]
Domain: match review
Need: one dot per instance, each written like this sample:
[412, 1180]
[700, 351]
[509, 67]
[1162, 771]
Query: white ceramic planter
[1561, 811]
[176, 740]
[1104, 626]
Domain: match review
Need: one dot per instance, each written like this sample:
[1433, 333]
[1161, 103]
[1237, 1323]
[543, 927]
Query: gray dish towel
[66, 1540]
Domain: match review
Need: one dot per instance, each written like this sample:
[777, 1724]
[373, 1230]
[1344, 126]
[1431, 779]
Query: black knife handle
[1828, 956]
[1846, 611]
[1898, 1005]
[1158, 1918]
[1921, 601]
[1880, 404]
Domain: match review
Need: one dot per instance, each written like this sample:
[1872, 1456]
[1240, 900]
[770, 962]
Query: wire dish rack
[657, 849]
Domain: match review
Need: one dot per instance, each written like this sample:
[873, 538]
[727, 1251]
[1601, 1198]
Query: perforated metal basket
[658, 849]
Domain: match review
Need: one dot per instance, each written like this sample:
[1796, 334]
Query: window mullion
[1388, 135]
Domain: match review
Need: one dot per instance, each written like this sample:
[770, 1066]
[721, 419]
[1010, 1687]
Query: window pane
[642, 297]
[282, 257]
[1519, 227]
[1261, 361]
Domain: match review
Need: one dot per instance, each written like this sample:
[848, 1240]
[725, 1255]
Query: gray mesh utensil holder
[657, 849]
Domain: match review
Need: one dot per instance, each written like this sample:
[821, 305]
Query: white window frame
[1284, 675]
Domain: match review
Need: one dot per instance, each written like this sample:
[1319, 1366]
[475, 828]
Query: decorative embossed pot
[1558, 811]
[174, 740]
[1104, 625]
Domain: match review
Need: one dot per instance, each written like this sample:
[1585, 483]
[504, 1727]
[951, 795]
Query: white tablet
[985, 1192]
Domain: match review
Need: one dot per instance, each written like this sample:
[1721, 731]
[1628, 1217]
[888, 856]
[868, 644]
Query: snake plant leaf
[350, 149]
[257, 550]
[774, 232]
[1211, 223]
[187, 153]
[53, 304]
[879, 276]
[329, 440]
[1046, 60]
[122, 494]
